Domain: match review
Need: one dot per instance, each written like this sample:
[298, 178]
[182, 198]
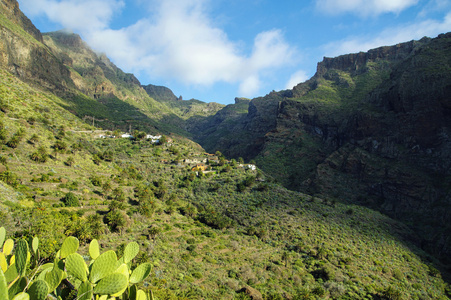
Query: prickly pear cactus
[3, 263]
[94, 250]
[75, 265]
[38, 290]
[111, 284]
[70, 245]
[130, 251]
[21, 256]
[104, 265]
[85, 291]
[35, 245]
[8, 247]
[140, 273]
[2, 235]
[22, 296]
[3, 286]
[54, 278]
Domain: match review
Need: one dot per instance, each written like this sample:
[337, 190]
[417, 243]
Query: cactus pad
[11, 273]
[94, 251]
[140, 295]
[54, 278]
[35, 244]
[22, 296]
[38, 290]
[111, 284]
[76, 266]
[3, 263]
[85, 291]
[70, 245]
[130, 251]
[141, 272]
[17, 287]
[8, 247]
[123, 269]
[21, 256]
[3, 286]
[104, 265]
[2, 235]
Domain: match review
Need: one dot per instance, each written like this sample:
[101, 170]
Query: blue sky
[216, 50]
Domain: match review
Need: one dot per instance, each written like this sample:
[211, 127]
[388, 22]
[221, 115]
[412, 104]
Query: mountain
[205, 227]
[368, 128]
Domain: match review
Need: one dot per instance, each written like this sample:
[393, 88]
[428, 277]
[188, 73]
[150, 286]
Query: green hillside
[87, 214]
[229, 233]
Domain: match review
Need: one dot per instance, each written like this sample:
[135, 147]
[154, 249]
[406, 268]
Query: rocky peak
[160, 93]
[67, 39]
[239, 100]
[355, 61]
[10, 9]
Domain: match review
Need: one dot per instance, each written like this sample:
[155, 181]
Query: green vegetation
[174, 222]
[24, 276]
[223, 233]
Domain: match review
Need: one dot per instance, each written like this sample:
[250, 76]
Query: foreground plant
[104, 277]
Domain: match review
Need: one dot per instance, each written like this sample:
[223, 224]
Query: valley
[349, 200]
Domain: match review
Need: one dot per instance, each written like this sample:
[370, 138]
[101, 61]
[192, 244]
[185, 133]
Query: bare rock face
[22, 51]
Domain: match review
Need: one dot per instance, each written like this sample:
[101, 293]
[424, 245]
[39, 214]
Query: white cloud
[390, 36]
[249, 86]
[364, 7]
[296, 78]
[81, 15]
[178, 40]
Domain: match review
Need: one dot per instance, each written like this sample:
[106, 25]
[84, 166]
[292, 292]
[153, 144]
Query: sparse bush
[70, 200]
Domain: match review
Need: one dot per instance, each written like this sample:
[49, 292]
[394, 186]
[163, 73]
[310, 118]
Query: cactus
[53, 278]
[140, 295]
[38, 290]
[123, 269]
[104, 265]
[2, 235]
[85, 291]
[130, 251]
[11, 273]
[140, 273]
[3, 263]
[35, 245]
[8, 247]
[70, 245]
[17, 287]
[22, 296]
[108, 276]
[94, 251]
[111, 284]
[3, 286]
[75, 265]
[21, 256]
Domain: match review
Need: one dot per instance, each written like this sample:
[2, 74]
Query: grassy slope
[277, 241]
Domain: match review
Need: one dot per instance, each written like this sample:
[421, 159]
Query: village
[200, 164]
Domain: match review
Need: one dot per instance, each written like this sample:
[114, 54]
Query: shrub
[70, 200]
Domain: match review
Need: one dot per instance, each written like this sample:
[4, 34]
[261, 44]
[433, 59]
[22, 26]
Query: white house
[154, 138]
[127, 135]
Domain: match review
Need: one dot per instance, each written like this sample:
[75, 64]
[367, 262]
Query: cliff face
[23, 52]
[373, 128]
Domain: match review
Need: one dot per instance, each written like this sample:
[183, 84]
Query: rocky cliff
[372, 128]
